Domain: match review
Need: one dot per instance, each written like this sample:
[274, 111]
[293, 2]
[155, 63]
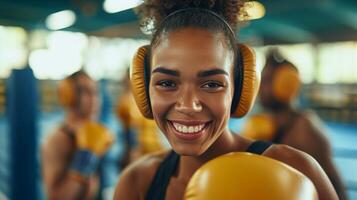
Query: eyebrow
[205, 73]
[166, 71]
[212, 72]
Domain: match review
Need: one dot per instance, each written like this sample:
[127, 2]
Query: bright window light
[66, 41]
[63, 55]
[110, 58]
[49, 64]
[113, 6]
[60, 20]
[337, 63]
[13, 53]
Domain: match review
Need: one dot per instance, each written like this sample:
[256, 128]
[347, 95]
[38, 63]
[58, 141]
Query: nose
[188, 102]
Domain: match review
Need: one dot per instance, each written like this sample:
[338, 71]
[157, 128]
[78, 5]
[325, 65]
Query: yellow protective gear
[259, 127]
[248, 81]
[66, 92]
[286, 83]
[94, 137]
[131, 118]
[248, 176]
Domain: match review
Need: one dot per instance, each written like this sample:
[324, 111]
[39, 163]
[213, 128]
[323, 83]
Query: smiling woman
[191, 79]
[199, 92]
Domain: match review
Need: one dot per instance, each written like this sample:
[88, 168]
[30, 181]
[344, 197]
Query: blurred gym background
[42, 41]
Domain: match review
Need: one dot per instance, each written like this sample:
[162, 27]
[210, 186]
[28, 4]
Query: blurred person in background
[281, 123]
[71, 155]
[141, 135]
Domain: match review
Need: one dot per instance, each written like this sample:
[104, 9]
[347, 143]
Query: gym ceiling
[285, 21]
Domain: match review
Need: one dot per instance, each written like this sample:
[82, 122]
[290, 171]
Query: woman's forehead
[192, 36]
[192, 48]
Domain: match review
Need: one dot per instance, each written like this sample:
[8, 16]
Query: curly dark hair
[74, 76]
[154, 14]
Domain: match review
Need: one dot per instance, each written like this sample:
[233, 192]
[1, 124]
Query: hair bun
[152, 12]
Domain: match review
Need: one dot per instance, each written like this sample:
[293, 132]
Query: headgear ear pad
[68, 89]
[66, 93]
[286, 83]
[246, 81]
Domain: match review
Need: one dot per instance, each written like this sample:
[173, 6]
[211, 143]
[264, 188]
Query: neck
[277, 107]
[74, 120]
[282, 116]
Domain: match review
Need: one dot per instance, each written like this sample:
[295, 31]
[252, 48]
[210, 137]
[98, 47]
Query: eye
[168, 84]
[212, 85]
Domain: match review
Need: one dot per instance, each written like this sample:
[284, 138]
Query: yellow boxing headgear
[259, 127]
[248, 176]
[286, 83]
[246, 81]
[68, 88]
[66, 93]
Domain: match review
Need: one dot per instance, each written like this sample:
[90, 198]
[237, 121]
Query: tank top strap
[166, 170]
[258, 147]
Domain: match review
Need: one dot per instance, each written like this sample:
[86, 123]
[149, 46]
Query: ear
[66, 93]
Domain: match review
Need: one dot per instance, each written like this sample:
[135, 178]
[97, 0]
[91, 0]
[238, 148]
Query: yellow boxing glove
[246, 176]
[94, 137]
[259, 127]
[92, 140]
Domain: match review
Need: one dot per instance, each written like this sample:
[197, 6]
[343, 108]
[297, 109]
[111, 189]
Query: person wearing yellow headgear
[71, 154]
[281, 123]
[191, 79]
[141, 135]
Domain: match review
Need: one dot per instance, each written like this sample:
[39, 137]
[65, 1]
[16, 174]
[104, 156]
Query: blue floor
[344, 138]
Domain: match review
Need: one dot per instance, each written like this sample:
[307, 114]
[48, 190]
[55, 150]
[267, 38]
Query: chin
[188, 144]
[188, 149]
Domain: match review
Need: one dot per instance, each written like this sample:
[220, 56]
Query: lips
[188, 130]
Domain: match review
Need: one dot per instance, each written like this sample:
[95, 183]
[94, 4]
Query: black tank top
[167, 168]
[68, 131]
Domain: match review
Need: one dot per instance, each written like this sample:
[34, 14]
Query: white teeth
[184, 129]
[188, 129]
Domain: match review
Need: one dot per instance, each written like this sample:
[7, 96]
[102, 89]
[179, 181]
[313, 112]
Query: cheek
[95, 101]
[89, 101]
[159, 103]
[220, 104]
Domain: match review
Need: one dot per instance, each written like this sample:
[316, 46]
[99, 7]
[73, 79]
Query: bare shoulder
[308, 135]
[293, 157]
[55, 154]
[136, 178]
[309, 120]
[57, 143]
[307, 165]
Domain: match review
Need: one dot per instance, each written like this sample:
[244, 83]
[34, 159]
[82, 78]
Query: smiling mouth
[188, 130]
